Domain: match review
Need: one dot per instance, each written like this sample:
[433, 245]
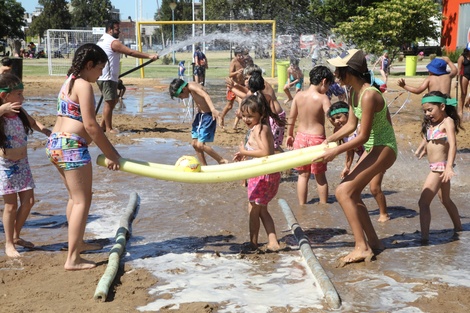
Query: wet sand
[412, 277]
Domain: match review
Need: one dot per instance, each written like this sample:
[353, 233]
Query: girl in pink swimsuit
[16, 180]
[262, 189]
[440, 126]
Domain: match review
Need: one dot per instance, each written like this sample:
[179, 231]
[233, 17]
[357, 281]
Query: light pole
[230, 2]
[173, 7]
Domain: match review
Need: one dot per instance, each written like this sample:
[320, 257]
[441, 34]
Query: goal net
[61, 47]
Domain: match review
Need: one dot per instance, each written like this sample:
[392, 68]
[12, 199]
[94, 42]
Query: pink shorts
[303, 140]
[263, 189]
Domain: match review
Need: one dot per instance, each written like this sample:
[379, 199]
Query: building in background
[456, 24]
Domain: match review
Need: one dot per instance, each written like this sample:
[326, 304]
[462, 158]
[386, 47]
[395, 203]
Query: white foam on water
[233, 282]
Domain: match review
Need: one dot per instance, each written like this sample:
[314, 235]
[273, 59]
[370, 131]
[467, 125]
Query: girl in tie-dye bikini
[67, 146]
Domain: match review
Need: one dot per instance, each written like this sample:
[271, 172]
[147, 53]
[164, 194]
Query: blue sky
[127, 7]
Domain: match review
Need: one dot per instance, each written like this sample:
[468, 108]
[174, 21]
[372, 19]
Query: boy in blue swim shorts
[204, 124]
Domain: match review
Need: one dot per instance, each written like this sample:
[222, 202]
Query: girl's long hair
[8, 80]
[258, 103]
[256, 85]
[85, 53]
[451, 111]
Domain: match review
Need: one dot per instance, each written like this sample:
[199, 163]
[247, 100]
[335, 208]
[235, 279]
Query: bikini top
[434, 133]
[65, 106]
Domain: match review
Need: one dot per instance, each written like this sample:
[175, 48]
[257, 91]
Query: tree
[11, 19]
[90, 13]
[392, 24]
[54, 16]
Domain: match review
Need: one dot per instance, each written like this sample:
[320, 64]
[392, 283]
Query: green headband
[437, 99]
[340, 110]
[10, 89]
[180, 89]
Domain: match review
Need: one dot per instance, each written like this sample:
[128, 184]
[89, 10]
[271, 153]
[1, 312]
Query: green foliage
[391, 24]
[11, 19]
[90, 13]
[54, 16]
[453, 55]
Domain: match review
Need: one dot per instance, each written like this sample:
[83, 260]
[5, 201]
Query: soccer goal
[256, 35]
[61, 47]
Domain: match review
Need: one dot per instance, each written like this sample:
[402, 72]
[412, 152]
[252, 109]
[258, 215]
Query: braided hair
[84, 54]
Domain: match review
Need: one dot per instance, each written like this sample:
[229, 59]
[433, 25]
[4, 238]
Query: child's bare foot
[11, 251]
[356, 256]
[274, 247]
[221, 122]
[87, 246]
[23, 243]
[383, 218]
[81, 264]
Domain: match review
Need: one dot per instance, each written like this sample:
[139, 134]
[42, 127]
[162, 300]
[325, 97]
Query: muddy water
[189, 235]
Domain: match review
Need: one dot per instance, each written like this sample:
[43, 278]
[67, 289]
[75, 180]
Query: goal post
[61, 45]
[149, 23]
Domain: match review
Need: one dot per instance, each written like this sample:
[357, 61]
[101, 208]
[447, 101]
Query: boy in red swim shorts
[309, 107]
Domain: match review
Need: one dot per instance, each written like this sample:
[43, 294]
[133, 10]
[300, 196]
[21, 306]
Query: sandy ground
[24, 290]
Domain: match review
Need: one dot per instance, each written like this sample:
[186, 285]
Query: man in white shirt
[108, 81]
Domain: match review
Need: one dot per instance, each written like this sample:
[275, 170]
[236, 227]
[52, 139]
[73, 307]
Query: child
[440, 126]
[310, 107]
[236, 74]
[438, 79]
[6, 65]
[296, 77]
[384, 61]
[121, 89]
[338, 116]
[181, 70]
[377, 136]
[255, 82]
[16, 178]
[262, 189]
[204, 124]
[67, 147]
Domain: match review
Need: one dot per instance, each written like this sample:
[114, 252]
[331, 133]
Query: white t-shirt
[111, 70]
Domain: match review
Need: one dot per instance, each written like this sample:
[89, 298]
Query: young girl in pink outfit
[441, 123]
[262, 189]
[16, 180]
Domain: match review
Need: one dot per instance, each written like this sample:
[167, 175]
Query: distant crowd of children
[360, 117]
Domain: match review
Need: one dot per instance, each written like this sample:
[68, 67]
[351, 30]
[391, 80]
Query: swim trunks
[203, 127]
[262, 189]
[303, 140]
[67, 151]
[299, 84]
[230, 95]
[15, 176]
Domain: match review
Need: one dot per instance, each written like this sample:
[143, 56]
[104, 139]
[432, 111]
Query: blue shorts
[203, 128]
[299, 84]
[67, 151]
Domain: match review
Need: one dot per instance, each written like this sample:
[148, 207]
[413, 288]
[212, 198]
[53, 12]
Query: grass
[218, 66]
